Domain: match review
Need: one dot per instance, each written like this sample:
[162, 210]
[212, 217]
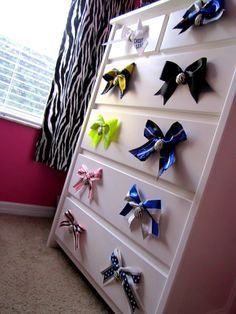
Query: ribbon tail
[78, 185]
[167, 90]
[131, 297]
[76, 239]
[107, 87]
[155, 228]
[126, 210]
[167, 159]
[90, 190]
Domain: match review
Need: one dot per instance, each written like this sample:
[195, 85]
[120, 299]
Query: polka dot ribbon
[129, 277]
[87, 178]
[73, 225]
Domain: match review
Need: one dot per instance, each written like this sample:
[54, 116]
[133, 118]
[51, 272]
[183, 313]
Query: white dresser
[191, 267]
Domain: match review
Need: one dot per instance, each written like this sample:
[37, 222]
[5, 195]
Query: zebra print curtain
[79, 58]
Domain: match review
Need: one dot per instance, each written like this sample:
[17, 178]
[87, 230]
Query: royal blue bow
[200, 13]
[144, 211]
[128, 276]
[158, 142]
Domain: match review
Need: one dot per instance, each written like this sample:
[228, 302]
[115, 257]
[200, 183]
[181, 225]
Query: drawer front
[190, 155]
[96, 246]
[108, 201]
[222, 29]
[145, 82]
[125, 48]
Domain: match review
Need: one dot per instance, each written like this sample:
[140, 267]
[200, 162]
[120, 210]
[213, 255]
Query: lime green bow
[107, 131]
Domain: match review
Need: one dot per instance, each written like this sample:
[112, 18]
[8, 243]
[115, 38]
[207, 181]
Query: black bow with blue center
[158, 142]
[194, 76]
[200, 13]
[129, 277]
[145, 211]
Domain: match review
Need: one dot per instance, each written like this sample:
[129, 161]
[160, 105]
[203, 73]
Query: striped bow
[137, 37]
[129, 277]
[193, 75]
[74, 227]
[145, 211]
[87, 178]
[158, 142]
[118, 78]
[200, 13]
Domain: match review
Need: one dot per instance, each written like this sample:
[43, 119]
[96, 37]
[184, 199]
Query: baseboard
[26, 209]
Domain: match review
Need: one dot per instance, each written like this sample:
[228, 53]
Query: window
[30, 36]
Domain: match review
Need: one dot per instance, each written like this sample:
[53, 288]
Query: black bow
[194, 76]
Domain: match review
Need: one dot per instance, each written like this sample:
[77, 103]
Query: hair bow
[194, 76]
[108, 131]
[87, 178]
[200, 13]
[74, 227]
[129, 277]
[158, 142]
[137, 37]
[120, 78]
[144, 211]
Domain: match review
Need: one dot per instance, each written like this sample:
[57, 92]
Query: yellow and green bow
[107, 131]
[120, 78]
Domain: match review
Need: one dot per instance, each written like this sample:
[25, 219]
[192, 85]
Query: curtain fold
[76, 69]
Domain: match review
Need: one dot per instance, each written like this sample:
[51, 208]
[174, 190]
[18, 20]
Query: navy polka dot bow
[129, 277]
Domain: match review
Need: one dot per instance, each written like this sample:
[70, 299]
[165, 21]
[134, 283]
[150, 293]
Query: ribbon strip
[87, 178]
[200, 13]
[194, 76]
[143, 211]
[128, 276]
[158, 142]
[118, 78]
[137, 37]
[74, 227]
[108, 131]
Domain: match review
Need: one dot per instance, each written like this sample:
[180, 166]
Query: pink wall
[22, 179]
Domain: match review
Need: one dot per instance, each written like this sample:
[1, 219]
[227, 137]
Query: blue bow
[201, 13]
[158, 142]
[128, 276]
[143, 211]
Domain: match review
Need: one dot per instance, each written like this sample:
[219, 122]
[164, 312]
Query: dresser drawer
[191, 152]
[125, 48]
[108, 201]
[222, 29]
[145, 82]
[96, 245]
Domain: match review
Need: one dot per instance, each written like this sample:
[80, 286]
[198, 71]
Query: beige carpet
[39, 280]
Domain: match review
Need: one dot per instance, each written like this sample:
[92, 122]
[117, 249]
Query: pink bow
[87, 178]
[74, 226]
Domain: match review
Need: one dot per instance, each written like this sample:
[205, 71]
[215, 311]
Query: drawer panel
[191, 152]
[125, 48]
[108, 201]
[145, 82]
[96, 246]
[223, 29]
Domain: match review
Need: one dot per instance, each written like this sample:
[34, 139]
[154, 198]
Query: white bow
[138, 37]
